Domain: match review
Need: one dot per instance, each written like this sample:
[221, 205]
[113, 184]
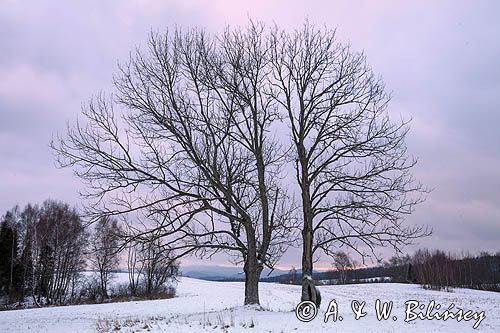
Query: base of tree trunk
[310, 292]
[252, 275]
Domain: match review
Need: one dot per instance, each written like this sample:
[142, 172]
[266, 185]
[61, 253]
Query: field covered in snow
[203, 306]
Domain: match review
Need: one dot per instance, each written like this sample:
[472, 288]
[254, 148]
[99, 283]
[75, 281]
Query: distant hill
[224, 273]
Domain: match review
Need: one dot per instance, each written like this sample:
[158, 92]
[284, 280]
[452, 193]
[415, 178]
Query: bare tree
[159, 269]
[191, 151]
[104, 254]
[198, 151]
[60, 238]
[135, 267]
[152, 266]
[351, 162]
[342, 264]
[292, 273]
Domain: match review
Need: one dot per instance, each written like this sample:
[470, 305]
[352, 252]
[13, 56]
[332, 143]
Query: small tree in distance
[292, 273]
[135, 267]
[152, 267]
[104, 255]
[159, 269]
[342, 263]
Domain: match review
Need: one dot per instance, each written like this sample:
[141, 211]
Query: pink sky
[440, 59]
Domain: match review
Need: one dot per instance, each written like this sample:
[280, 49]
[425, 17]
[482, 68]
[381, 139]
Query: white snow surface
[205, 306]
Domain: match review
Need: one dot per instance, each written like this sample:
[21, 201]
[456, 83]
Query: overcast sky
[441, 59]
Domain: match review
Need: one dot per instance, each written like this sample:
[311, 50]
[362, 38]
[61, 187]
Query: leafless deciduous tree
[187, 144]
[199, 147]
[60, 242]
[135, 267]
[158, 267]
[292, 273]
[342, 264]
[104, 254]
[152, 266]
[351, 162]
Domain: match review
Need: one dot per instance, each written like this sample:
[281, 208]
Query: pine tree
[8, 253]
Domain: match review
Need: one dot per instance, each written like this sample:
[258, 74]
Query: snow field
[205, 306]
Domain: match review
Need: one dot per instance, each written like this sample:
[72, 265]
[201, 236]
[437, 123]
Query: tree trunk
[104, 288]
[307, 262]
[252, 275]
[307, 229]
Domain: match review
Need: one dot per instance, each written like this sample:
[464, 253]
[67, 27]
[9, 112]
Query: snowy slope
[204, 306]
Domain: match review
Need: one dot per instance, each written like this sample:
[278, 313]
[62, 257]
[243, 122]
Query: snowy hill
[203, 306]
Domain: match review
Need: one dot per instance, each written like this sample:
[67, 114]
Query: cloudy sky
[441, 59]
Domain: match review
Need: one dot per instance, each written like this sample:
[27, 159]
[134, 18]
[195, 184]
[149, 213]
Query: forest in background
[50, 257]
[435, 269]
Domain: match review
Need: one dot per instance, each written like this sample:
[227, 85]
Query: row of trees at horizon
[432, 269]
[440, 270]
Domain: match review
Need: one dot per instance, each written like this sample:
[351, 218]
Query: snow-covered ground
[203, 306]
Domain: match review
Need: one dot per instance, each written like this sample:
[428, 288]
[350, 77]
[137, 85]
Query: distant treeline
[438, 270]
[431, 269]
[44, 251]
